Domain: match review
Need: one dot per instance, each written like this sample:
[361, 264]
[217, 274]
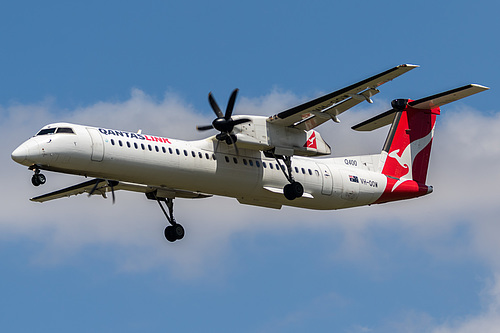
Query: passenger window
[193, 153]
[128, 144]
[303, 171]
[177, 152]
[120, 143]
[264, 165]
[142, 146]
[296, 170]
[245, 161]
[150, 148]
[164, 150]
[185, 153]
[310, 172]
[271, 166]
[226, 158]
[257, 164]
[235, 160]
[250, 162]
[157, 149]
[170, 150]
[135, 145]
[214, 157]
[206, 156]
[112, 142]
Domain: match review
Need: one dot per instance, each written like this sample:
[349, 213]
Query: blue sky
[80, 264]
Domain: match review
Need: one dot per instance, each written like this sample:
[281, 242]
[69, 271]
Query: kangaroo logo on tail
[311, 141]
[408, 156]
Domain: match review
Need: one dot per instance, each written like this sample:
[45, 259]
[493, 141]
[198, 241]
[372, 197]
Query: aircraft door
[97, 145]
[326, 178]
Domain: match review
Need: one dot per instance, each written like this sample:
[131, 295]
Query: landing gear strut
[295, 189]
[174, 231]
[38, 178]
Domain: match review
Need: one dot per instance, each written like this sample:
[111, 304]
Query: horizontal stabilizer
[426, 103]
[446, 97]
[378, 121]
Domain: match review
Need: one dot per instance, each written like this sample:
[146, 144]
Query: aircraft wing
[313, 113]
[102, 186]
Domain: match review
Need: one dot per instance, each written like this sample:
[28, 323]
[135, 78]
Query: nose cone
[20, 154]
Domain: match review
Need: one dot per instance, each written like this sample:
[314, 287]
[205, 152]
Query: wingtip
[409, 65]
[480, 86]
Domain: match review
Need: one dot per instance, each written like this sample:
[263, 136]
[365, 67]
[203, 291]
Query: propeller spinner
[224, 123]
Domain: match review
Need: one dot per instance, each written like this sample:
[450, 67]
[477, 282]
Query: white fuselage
[205, 166]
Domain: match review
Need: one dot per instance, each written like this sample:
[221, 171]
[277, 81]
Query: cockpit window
[65, 130]
[58, 130]
[46, 131]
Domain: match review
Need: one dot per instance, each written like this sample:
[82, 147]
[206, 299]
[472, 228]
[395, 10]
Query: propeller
[224, 123]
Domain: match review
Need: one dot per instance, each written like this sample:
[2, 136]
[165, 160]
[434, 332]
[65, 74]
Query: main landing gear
[38, 178]
[174, 231]
[295, 189]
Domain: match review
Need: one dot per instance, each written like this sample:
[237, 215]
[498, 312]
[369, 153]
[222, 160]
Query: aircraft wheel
[288, 192]
[38, 179]
[174, 232]
[178, 231]
[297, 189]
[169, 234]
[293, 190]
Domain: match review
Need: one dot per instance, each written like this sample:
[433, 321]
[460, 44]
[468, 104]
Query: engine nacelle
[259, 134]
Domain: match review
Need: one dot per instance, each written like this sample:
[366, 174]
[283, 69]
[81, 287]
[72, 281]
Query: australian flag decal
[354, 179]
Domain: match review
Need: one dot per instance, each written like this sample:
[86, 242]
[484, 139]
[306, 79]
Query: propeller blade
[214, 106]
[233, 143]
[204, 128]
[230, 104]
[221, 136]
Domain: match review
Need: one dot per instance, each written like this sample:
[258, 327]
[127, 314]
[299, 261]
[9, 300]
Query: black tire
[297, 189]
[169, 234]
[178, 231]
[41, 178]
[288, 192]
[34, 180]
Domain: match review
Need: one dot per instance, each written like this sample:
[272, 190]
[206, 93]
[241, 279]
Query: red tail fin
[406, 154]
[408, 145]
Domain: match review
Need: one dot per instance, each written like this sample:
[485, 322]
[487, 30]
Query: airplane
[250, 159]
